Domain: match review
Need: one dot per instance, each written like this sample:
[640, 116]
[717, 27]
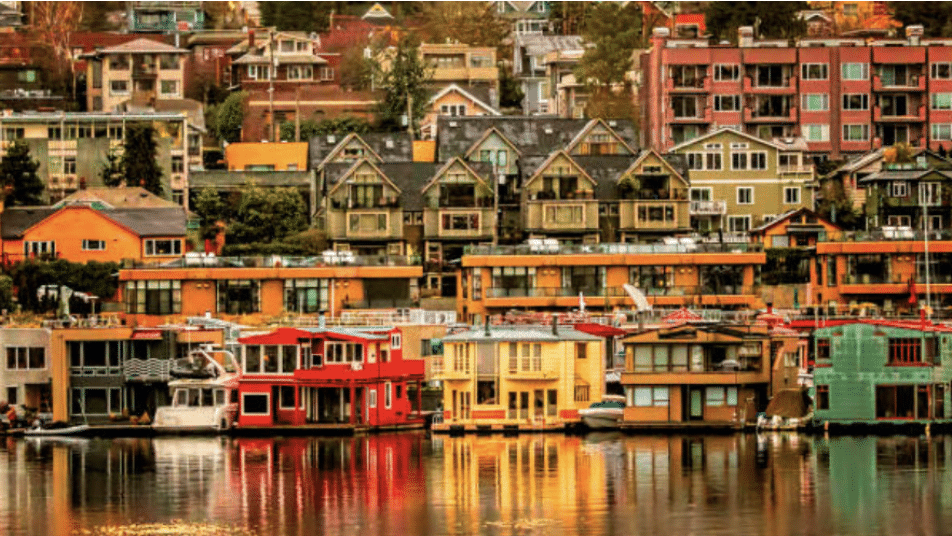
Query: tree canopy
[771, 20]
[613, 32]
[138, 164]
[257, 216]
[229, 117]
[21, 184]
[472, 23]
[406, 78]
[297, 16]
[311, 128]
[935, 17]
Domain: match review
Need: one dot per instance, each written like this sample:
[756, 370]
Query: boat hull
[78, 430]
[601, 418]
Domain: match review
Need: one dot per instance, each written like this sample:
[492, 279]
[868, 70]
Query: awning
[147, 335]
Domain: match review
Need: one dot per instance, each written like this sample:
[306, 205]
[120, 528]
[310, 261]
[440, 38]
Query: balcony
[912, 82]
[752, 116]
[784, 86]
[459, 223]
[703, 115]
[908, 117]
[741, 245]
[708, 208]
[653, 215]
[580, 214]
[697, 85]
[146, 370]
[144, 71]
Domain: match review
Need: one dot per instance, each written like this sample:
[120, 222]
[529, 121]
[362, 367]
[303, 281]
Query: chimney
[251, 38]
[914, 34]
[745, 36]
[321, 321]
[555, 325]
[769, 308]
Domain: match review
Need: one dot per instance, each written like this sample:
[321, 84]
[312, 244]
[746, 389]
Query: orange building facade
[266, 156]
[273, 287]
[543, 277]
[79, 233]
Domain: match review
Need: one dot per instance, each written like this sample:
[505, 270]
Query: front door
[697, 407]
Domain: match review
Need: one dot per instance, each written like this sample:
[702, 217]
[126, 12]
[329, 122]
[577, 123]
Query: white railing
[712, 208]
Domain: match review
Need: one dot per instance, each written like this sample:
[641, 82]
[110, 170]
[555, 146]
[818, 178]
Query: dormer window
[287, 45]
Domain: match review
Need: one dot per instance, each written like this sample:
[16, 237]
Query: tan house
[739, 181]
[141, 71]
[455, 101]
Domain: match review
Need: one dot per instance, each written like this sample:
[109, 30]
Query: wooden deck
[521, 428]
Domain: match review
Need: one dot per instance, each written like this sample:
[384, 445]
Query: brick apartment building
[845, 96]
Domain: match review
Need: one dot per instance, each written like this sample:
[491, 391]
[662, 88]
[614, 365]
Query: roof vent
[548, 129]
[389, 143]
[453, 123]
[612, 123]
[331, 138]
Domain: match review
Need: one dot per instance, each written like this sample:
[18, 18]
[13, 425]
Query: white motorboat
[59, 431]
[205, 395]
[605, 414]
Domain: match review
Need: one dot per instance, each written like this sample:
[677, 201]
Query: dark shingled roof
[904, 175]
[15, 221]
[533, 136]
[606, 170]
[410, 177]
[235, 179]
[400, 151]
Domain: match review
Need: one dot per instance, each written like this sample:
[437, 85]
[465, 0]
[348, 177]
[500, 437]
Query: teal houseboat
[883, 372]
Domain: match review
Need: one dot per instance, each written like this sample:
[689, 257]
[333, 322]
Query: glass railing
[633, 249]
[281, 261]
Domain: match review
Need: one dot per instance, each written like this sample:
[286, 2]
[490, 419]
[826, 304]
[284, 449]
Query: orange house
[80, 233]
[252, 288]
[266, 156]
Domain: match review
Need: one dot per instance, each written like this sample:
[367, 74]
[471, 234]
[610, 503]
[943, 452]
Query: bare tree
[52, 25]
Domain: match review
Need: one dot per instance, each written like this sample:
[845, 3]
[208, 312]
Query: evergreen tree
[406, 79]
[230, 116]
[112, 174]
[267, 215]
[21, 185]
[297, 16]
[139, 164]
[211, 209]
[771, 20]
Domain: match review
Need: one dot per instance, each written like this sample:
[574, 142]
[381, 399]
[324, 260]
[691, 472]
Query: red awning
[147, 335]
[599, 330]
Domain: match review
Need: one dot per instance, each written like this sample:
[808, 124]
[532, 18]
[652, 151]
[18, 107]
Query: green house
[878, 371]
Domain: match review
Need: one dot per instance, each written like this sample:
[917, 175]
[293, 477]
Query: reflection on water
[411, 484]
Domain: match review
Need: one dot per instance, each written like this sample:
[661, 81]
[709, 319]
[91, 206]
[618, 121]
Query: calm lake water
[411, 484]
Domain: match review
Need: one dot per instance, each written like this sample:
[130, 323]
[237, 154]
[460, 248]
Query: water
[411, 484]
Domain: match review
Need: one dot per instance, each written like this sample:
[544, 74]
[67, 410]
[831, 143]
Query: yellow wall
[280, 155]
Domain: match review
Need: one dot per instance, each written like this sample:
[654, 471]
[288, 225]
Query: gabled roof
[680, 173]
[115, 197]
[357, 165]
[445, 167]
[906, 175]
[16, 221]
[285, 59]
[343, 145]
[591, 126]
[485, 136]
[467, 94]
[227, 180]
[390, 146]
[550, 159]
[142, 46]
[722, 130]
[536, 44]
[790, 214]
[377, 11]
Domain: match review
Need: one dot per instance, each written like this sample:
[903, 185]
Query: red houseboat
[349, 377]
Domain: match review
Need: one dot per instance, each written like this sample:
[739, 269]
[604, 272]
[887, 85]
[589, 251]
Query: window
[823, 348]
[900, 189]
[738, 224]
[343, 352]
[739, 161]
[368, 223]
[647, 396]
[386, 395]
[255, 404]
[905, 351]
[26, 358]
[791, 195]
[581, 350]
[942, 71]
[372, 398]
[395, 341]
[727, 103]
[745, 195]
[929, 193]
[758, 160]
[815, 71]
[306, 295]
[69, 165]
[154, 297]
[38, 248]
[856, 101]
[855, 132]
[168, 61]
[287, 396]
[455, 110]
[115, 132]
[238, 296]
[178, 164]
[726, 72]
[95, 358]
[581, 393]
[96, 400]
[695, 161]
[720, 396]
[460, 222]
[94, 245]
[855, 71]
[300, 72]
[587, 279]
[941, 101]
[822, 397]
[12, 395]
[942, 131]
[169, 87]
[326, 73]
[163, 247]
[701, 193]
[816, 132]
[815, 102]
[119, 87]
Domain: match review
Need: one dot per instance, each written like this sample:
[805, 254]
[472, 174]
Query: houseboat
[204, 393]
[329, 378]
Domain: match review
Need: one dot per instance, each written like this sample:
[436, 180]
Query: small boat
[204, 395]
[57, 431]
[604, 414]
